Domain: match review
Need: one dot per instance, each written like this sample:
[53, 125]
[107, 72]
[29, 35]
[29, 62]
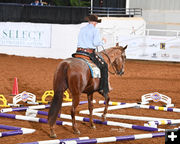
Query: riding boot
[104, 85]
[102, 65]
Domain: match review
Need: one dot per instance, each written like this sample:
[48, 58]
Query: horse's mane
[117, 50]
[112, 53]
[113, 49]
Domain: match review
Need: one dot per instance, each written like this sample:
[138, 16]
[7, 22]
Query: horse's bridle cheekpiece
[111, 64]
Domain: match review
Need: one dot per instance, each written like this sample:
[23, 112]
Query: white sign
[151, 47]
[25, 34]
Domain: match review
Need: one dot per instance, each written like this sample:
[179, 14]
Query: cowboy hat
[93, 17]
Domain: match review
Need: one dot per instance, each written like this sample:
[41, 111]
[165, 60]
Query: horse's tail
[59, 85]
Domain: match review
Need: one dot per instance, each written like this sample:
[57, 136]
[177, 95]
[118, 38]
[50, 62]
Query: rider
[88, 40]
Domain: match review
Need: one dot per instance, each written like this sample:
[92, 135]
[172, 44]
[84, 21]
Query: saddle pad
[95, 71]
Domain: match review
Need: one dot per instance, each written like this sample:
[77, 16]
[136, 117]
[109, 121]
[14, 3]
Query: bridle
[111, 64]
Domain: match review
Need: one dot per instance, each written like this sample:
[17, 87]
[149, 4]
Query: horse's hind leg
[53, 111]
[106, 106]
[75, 103]
[90, 107]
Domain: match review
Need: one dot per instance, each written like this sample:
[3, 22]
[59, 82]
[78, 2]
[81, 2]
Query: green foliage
[79, 3]
[85, 3]
[72, 3]
[61, 2]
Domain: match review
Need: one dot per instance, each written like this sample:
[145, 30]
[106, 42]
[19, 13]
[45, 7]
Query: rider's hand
[104, 39]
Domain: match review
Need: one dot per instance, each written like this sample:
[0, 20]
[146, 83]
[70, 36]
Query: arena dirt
[35, 75]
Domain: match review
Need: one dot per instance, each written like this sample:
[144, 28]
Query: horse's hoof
[77, 132]
[93, 127]
[103, 118]
[53, 136]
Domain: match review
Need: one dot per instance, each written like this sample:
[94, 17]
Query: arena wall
[58, 40]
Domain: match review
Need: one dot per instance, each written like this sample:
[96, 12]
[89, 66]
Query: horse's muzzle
[120, 73]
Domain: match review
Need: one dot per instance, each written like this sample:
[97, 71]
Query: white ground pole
[110, 123]
[17, 132]
[118, 103]
[5, 110]
[164, 122]
[116, 139]
[35, 107]
[27, 130]
[32, 119]
[139, 118]
[158, 108]
[56, 141]
[110, 108]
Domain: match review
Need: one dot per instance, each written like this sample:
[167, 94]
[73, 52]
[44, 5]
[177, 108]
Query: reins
[111, 64]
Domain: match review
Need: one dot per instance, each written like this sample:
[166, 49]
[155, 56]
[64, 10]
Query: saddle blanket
[95, 71]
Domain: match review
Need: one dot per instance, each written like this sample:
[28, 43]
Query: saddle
[95, 71]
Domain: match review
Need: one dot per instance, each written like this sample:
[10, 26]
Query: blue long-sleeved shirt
[89, 37]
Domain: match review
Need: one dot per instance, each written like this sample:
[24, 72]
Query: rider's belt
[88, 50]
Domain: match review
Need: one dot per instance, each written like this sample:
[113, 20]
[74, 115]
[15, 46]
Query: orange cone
[15, 87]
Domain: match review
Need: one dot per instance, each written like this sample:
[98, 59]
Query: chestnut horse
[74, 74]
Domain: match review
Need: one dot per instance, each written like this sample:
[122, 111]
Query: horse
[74, 74]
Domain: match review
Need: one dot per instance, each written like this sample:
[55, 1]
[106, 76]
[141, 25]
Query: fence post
[108, 13]
[91, 6]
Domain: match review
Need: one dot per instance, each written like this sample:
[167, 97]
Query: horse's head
[117, 59]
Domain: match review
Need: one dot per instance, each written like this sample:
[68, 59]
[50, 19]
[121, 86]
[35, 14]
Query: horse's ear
[117, 44]
[125, 47]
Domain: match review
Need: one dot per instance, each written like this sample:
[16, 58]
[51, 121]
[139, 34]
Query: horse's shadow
[43, 129]
[39, 127]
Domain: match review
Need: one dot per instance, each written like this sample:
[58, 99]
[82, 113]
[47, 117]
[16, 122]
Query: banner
[159, 48]
[25, 35]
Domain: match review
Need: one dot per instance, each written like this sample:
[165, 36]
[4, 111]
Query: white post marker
[24, 96]
[156, 97]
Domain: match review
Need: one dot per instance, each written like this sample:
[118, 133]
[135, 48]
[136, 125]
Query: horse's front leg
[52, 133]
[106, 106]
[90, 107]
[75, 103]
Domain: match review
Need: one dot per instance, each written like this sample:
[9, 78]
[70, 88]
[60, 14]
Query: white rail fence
[163, 32]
